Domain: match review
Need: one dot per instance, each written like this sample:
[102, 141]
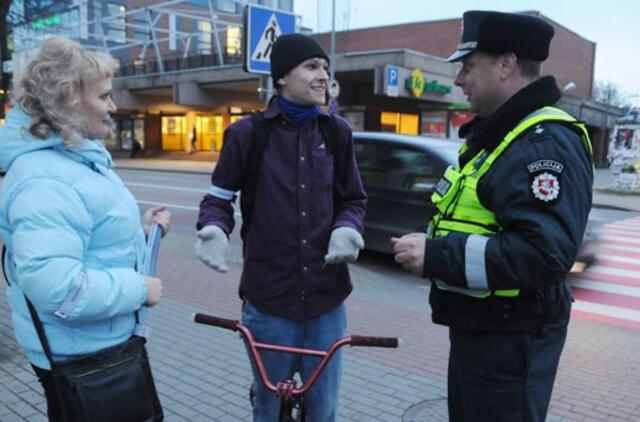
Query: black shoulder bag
[112, 384]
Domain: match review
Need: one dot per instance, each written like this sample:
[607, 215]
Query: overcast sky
[613, 25]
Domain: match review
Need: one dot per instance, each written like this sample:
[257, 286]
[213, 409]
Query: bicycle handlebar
[324, 355]
[228, 324]
[374, 341]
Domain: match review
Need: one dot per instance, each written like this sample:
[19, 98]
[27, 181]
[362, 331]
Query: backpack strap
[261, 131]
[329, 131]
[259, 139]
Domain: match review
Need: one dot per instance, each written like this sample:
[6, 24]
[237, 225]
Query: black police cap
[498, 33]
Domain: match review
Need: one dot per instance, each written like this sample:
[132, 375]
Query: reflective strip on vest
[475, 269]
[460, 210]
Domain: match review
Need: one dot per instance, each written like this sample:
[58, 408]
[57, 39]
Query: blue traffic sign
[393, 76]
[262, 27]
[393, 80]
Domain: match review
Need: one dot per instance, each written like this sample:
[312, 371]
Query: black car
[398, 173]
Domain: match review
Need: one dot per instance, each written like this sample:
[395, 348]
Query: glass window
[226, 6]
[172, 32]
[399, 123]
[285, 5]
[116, 23]
[234, 41]
[434, 123]
[355, 119]
[389, 166]
[141, 26]
[204, 37]
[174, 133]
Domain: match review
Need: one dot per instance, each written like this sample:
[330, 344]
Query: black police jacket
[541, 232]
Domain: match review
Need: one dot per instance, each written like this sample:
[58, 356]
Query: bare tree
[610, 93]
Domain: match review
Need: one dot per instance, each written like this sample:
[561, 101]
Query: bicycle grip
[374, 341]
[229, 324]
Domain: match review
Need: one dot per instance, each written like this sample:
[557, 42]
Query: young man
[302, 219]
[510, 222]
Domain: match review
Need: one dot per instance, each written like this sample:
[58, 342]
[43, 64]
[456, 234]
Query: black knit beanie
[290, 50]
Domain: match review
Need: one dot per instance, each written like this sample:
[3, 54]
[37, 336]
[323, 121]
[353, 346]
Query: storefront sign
[417, 84]
[402, 82]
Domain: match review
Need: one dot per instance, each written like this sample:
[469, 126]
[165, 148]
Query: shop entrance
[405, 123]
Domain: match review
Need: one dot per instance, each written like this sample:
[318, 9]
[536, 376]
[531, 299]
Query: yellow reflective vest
[460, 210]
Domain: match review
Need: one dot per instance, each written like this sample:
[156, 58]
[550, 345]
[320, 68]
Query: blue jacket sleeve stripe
[475, 267]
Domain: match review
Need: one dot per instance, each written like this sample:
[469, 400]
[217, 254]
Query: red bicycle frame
[287, 390]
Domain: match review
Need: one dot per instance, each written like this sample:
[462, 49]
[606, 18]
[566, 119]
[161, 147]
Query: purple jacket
[297, 205]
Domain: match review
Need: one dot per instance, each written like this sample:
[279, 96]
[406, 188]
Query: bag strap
[40, 330]
[4, 272]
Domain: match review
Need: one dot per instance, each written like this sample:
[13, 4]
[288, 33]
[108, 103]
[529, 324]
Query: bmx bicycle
[289, 391]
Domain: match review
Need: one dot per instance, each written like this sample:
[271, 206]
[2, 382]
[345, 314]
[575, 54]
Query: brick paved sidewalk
[203, 374]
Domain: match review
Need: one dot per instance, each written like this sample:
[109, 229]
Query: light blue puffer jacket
[74, 241]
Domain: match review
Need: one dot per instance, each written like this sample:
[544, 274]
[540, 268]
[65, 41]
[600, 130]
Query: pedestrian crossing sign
[262, 26]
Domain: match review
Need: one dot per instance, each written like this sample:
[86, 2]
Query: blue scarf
[298, 114]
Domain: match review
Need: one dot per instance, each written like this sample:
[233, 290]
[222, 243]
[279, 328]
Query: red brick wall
[571, 57]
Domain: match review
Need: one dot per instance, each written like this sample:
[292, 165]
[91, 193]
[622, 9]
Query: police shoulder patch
[545, 187]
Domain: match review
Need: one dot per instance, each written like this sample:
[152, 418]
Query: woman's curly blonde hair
[52, 85]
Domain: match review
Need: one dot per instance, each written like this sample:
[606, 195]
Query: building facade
[181, 81]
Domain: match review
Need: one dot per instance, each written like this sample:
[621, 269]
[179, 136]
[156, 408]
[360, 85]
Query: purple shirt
[297, 205]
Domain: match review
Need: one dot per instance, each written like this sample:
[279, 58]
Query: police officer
[511, 217]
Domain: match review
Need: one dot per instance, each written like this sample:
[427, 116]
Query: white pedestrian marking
[605, 287]
[164, 204]
[607, 310]
[165, 187]
[619, 258]
[594, 297]
[625, 239]
[182, 207]
[609, 270]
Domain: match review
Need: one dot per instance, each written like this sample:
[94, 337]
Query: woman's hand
[154, 290]
[158, 215]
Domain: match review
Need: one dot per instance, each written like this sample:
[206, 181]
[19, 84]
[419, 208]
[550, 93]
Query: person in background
[72, 230]
[511, 218]
[135, 147]
[305, 224]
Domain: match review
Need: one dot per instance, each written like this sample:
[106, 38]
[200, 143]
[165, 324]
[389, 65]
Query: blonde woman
[72, 230]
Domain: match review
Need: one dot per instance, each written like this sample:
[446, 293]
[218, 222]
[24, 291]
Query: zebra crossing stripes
[609, 290]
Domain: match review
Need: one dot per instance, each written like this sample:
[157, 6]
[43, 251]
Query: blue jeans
[321, 402]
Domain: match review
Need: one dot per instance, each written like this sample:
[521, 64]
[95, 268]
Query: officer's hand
[409, 250]
[211, 248]
[344, 245]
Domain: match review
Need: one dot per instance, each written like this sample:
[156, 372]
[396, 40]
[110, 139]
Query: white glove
[344, 246]
[211, 248]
